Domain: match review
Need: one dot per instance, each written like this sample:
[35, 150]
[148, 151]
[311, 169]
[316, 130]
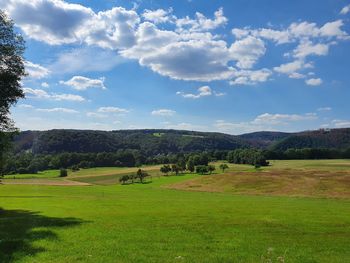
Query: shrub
[63, 173]
[75, 168]
[124, 179]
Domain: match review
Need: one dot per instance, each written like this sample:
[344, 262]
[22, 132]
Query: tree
[211, 168]
[124, 179]
[141, 175]
[165, 169]
[175, 169]
[190, 165]
[11, 70]
[223, 167]
[202, 169]
[63, 173]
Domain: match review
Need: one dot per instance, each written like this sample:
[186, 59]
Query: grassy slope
[149, 223]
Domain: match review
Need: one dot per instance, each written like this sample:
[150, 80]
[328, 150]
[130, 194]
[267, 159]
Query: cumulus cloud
[35, 71]
[84, 83]
[201, 22]
[202, 92]
[60, 22]
[42, 94]
[308, 48]
[112, 110]
[313, 82]
[292, 68]
[345, 10]
[247, 51]
[250, 77]
[163, 112]
[62, 110]
[158, 16]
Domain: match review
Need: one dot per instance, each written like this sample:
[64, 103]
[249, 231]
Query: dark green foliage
[165, 169]
[202, 169]
[190, 165]
[11, 70]
[211, 168]
[334, 138]
[247, 156]
[124, 179]
[223, 167]
[63, 173]
[141, 175]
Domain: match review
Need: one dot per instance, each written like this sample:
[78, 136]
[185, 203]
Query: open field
[152, 222]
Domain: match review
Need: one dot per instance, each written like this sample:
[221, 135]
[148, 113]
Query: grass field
[152, 222]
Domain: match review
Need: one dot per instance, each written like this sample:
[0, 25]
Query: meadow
[291, 211]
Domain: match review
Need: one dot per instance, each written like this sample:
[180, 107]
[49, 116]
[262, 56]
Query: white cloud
[345, 10]
[158, 16]
[341, 123]
[84, 83]
[84, 59]
[247, 51]
[42, 94]
[202, 92]
[250, 77]
[112, 110]
[291, 68]
[45, 85]
[163, 112]
[26, 106]
[198, 60]
[324, 109]
[201, 23]
[307, 48]
[266, 121]
[96, 115]
[274, 119]
[36, 71]
[313, 82]
[60, 22]
[62, 110]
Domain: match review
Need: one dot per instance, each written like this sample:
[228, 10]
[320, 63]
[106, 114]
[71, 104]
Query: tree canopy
[11, 70]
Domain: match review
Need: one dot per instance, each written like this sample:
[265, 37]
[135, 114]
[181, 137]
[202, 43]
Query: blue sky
[228, 66]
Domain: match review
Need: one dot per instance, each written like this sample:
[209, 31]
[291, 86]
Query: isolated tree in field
[175, 169]
[63, 173]
[124, 179]
[202, 169]
[223, 167]
[165, 169]
[190, 165]
[141, 175]
[211, 168]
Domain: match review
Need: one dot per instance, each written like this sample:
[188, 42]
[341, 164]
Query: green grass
[44, 174]
[151, 223]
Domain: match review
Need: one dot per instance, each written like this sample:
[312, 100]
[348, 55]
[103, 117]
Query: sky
[232, 66]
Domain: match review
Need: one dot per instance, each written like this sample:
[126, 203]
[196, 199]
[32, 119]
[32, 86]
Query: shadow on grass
[20, 228]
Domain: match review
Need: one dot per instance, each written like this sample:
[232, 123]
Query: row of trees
[29, 163]
[140, 176]
[247, 156]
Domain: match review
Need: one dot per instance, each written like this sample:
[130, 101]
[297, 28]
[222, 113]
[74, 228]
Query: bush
[22, 170]
[63, 173]
[202, 169]
[124, 179]
[75, 168]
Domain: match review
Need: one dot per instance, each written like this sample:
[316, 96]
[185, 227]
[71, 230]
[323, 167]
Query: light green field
[154, 223]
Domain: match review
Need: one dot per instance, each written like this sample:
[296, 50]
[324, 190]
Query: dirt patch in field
[43, 182]
[284, 182]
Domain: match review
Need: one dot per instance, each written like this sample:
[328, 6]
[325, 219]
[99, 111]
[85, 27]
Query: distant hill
[334, 138]
[158, 141]
[152, 142]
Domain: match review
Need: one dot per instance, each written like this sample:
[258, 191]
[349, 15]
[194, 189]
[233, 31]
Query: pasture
[292, 211]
